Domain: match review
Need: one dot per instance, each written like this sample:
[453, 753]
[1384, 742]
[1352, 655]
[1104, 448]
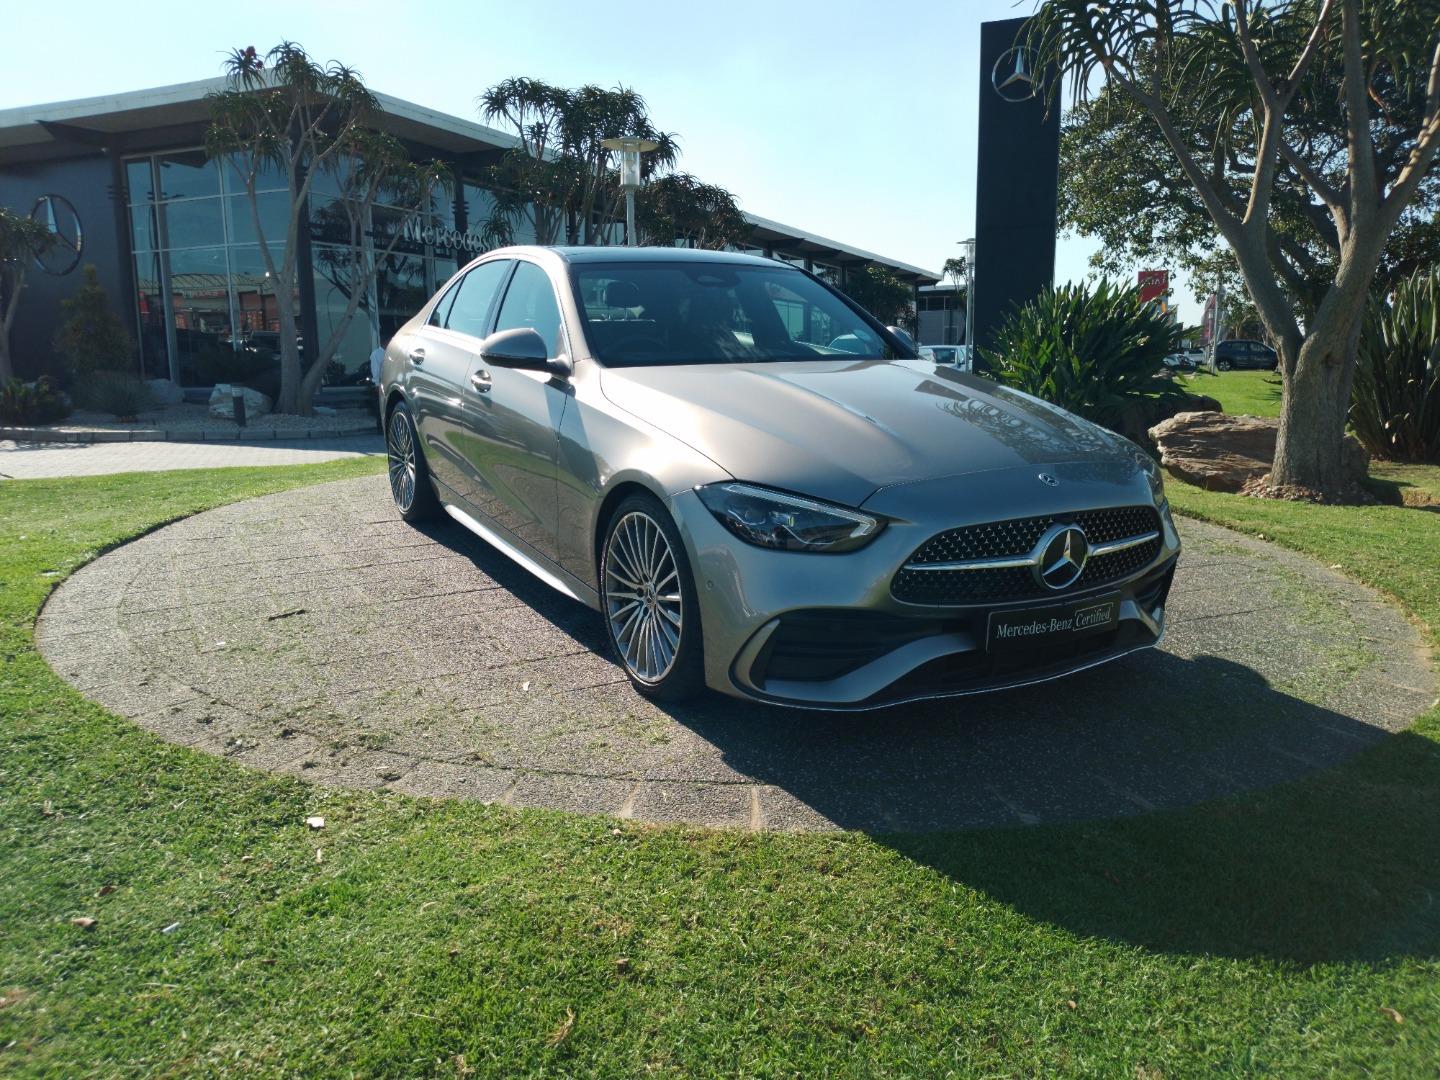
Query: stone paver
[313, 633]
[29, 461]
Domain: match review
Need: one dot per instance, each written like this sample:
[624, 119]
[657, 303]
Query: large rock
[222, 402]
[1139, 415]
[165, 392]
[1220, 452]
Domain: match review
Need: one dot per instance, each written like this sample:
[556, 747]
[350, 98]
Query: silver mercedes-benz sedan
[764, 490]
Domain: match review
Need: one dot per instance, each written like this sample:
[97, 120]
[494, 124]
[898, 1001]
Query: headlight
[1153, 474]
[774, 519]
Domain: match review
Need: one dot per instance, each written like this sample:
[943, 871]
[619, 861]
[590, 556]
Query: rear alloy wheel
[651, 615]
[1222, 365]
[409, 476]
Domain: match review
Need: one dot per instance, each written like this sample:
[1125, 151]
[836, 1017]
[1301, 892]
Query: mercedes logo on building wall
[1013, 75]
[1063, 552]
[62, 254]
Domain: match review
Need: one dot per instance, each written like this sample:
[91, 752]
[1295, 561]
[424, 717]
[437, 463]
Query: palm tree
[559, 178]
[289, 113]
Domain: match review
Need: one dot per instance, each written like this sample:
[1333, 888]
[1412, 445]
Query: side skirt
[558, 579]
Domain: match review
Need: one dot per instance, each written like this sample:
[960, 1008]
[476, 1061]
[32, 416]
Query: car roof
[640, 254]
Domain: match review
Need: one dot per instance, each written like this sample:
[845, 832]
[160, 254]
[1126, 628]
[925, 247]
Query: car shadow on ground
[1181, 804]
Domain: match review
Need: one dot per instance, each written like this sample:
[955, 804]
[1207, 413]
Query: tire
[1222, 365]
[649, 603]
[410, 484]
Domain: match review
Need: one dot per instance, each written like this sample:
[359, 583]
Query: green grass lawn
[1254, 393]
[1294, 932]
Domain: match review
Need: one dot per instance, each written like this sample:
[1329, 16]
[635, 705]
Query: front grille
[1001, 539]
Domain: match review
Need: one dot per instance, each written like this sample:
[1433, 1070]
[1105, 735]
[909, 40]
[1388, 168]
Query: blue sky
[853, 120]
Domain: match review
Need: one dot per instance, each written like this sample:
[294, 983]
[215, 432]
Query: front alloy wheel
[650, 607]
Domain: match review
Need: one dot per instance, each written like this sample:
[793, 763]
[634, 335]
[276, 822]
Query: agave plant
[1395, 403]
[38, 402]
[1096, 352]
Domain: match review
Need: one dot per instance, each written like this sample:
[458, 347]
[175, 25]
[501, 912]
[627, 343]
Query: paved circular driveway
[314, 633]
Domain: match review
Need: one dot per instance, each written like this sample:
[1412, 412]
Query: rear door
[513, 440]
[442, 358]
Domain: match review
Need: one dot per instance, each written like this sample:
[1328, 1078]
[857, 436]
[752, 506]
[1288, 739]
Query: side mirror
[905, 338]
[522, 348]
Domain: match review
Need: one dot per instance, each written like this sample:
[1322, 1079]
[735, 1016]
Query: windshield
[710, 313]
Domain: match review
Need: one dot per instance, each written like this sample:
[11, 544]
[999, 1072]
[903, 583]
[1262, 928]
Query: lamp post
[967, 252]
[630, 147]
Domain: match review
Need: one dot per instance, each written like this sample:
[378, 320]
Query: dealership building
[124, 184]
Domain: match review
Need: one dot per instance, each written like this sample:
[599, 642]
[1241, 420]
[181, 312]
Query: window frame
[455, 287]
[563, 349]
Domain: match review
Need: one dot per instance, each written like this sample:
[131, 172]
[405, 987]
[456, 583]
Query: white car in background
[1185, 360]
[954, 355]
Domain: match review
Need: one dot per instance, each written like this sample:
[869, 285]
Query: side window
[530, 301]
[476, 292]
[437, 316]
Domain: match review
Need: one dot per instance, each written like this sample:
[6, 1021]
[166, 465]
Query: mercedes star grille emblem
[1063, 551]
[1048, 480]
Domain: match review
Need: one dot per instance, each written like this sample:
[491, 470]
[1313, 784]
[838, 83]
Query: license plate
[1038, 627]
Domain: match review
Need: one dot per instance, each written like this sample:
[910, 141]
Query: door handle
[417, 355]
[480, 380]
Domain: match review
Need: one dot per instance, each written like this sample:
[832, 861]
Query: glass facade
[206, 308]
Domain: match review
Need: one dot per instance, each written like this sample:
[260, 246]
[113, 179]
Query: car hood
[842, 430]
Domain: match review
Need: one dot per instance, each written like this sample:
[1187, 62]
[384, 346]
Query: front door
[514, 419]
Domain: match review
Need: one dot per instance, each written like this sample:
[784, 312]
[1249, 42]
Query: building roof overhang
[163, 116]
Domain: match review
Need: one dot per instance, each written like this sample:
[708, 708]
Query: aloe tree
[1244, 88]
[879, 291]
[288, 113]
[559, 178]
[20, 239]
[677, 206]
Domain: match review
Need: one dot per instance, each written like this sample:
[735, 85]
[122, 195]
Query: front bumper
[826, 631]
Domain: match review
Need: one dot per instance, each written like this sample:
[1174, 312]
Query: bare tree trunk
[311, 383]
[289, 400]
[11, 286]
[1309, 452]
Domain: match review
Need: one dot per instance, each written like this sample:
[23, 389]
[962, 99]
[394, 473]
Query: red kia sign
[1154, 284]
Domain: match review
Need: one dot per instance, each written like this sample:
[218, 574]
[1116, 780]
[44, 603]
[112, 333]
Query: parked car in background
[1242, 354]
[674, 438]
[1187, 360]
[955, 355]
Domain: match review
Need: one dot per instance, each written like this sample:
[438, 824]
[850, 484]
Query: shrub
[92, 337]
[1096, 352]
[118, 393]
[1395, 403]
[38, 402]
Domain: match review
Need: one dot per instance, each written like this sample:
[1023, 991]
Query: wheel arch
[617, 493]
[395, 397]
